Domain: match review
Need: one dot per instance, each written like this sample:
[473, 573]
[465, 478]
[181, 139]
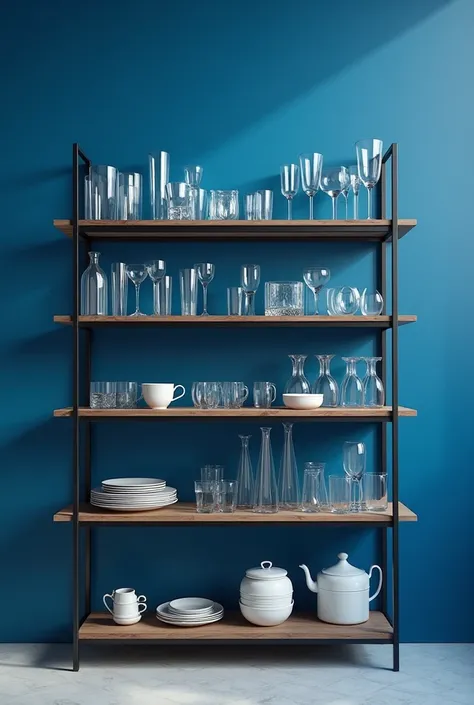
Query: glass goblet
[137, 274]
[290, 183]
[354, 456]
[156, 270]
[369, 163]
[315, 278]
[205, 272]
[311, 165]
[355, 186]
[250, 280]
[333, 182]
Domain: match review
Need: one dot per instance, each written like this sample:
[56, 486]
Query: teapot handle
[380, 581]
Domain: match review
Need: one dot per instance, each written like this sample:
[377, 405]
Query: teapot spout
[309, 581]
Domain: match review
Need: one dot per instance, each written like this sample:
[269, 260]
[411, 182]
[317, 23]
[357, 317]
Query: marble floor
[431, 674]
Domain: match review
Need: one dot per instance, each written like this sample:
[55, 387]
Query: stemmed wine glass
[250, 280]
[311, 165]
[290, 183]
[315, 278]
[333, 182]
[205, 272]
[355, 186]
[369, 164]
[156, 271]
[137, 274]
[354, 467]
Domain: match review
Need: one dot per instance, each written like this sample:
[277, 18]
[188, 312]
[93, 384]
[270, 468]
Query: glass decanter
[246, 486]
[266, 491]
[326, 384]
[94, 288]
[374, 393]
[298, 383]
[352, 391]
[288, 483]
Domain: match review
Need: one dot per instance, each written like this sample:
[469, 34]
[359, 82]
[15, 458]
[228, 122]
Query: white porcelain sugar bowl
[343, 592]
[266, 595]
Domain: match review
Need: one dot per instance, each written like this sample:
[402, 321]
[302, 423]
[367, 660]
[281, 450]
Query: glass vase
[352, 391]
[374, 393]
[94, 288]
[298, 383]
[326, 384]
[288, 484]
[246, 486]
[266, 491]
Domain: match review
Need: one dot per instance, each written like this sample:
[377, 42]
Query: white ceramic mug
[125, 604]
[160, 396]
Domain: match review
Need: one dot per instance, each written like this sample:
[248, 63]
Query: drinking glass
[250, 280]
[266, 492]
[369, 164]
[178, 200]
[163, 297]
[205, 272]
[245, 479]
[235, 298]
[94, 288]
[298, 383]
[330, 305]
[159, 169]
[88, 198]
[371, 303]
[130, 196]
[374, 394]
[310, 497]
[156, 271]
[226, 496]
[211, 395]
[205, 497]
[315, 278]
[355, 186]
[233, 394]
[346, 300]
[200, 203]
[352, 391]
[197, 394]
[127, 395]
[264, 394]
[284, 299]
[119, 288]
[354, 456]
[290, 183]
[188, 279]
[264, 205]
[339, 494]
[104, 190]
[374, 491]
[224, 205]
[289, 497]
[326, 384]
[193, 175]
[333, 182]
[311, 166]
[250, 206]
[103, 395]
[322, 490]
[345, 193]
[137, 274]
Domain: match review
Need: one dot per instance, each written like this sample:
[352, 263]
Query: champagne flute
[333, 182]
[355, 186]
[354, 467]
[290, 183]
[205, 272]
[137, 274]
[369, 164]
[311, 165]
[250, 280]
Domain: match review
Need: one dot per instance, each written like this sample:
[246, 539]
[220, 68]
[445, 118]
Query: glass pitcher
[94, 288]
[326, 384]
[266, 491]
[298, 383]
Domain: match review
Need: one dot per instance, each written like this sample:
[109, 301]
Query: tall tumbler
[188, 282]
[130, 196]
[119, 288]
[104, 191]
[264, 205]
[159, 169]
[163, 292]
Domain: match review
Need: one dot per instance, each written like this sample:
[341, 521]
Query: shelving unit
[382, 626]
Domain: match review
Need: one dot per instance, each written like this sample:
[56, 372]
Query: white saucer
[126, 621]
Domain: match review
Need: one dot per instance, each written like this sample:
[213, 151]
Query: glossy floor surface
[432, 674]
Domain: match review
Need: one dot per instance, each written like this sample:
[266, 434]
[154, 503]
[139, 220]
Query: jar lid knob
[266, 565]
[343, 556]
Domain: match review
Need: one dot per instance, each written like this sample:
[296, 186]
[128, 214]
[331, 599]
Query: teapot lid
[343, 568]
[266, 571]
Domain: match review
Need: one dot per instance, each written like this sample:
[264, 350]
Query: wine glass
[333, 182]
[290, 183]
[250, 280]
[156, 271]
[354, 467]
[193, 175]
[311, 165]
[369, 165]
[371, 303]
[345, 192]
[355, 186]
[315, 278]
[205, 272]
[137, 274]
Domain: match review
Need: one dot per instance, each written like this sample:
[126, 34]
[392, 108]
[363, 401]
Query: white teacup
[126, 606]
[160, 396]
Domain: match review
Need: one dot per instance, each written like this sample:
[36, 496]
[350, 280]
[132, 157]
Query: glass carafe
[266, 491]
[374, 394]
[288, 483]
[245, 477]
[352, 391]
[297, 384]
[94, 288]
[326, 384]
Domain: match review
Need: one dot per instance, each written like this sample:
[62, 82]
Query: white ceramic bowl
[266, 617]
[266, 605]
[303, 401]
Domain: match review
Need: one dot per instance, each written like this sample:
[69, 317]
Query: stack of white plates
[133, 494]
[190, 612]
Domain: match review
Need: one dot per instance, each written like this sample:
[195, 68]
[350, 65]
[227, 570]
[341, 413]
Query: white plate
[191, 606]
[190, 624]
[133, 482]
[162, 612]
[133, 509]
[139, 500]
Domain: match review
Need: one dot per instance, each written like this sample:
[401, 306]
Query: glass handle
[274, 389]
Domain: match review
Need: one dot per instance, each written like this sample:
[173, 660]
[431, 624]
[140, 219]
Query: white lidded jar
[266, 581]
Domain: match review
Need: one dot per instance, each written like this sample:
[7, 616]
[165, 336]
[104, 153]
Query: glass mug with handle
[160, 396]
[264, 394]
[233, 394]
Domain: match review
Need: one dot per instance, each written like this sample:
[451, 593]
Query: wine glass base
[137, 314]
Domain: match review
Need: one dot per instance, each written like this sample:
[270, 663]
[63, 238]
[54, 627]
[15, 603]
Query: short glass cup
[205, 497]
[127, 395]
[223, 205]
[264, 394]
[212, 473]
[103, 395]
[374, 491]
[284, 298]
[339, 494]
[225, 499]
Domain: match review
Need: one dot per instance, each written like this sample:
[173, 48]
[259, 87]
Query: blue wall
[240, 90]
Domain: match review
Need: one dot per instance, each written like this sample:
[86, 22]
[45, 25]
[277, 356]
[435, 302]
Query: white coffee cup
[126, 606]
[160, 396]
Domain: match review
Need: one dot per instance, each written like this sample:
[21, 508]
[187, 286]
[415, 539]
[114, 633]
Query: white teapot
[343, 592]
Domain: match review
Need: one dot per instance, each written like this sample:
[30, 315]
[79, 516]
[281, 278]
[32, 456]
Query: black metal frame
[381, 236]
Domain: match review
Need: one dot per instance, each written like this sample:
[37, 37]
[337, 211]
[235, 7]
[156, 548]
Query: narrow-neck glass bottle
[246, 486]
[326, 384]
[94, 288]
[266, 491]
[374, 394]
[288, 484]
[298, 383]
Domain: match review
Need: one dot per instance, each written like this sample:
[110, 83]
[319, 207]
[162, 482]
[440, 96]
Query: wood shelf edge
[245, 412]
[368, 321]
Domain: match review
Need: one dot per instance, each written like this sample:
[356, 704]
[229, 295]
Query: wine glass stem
[356, 206]
[290, 209]
[250, 303]
[137, 298]
[155, 298]
[334, 207]
[346, 198]
[311, 215]
[369, 203]
[316, 303]
[204, 299]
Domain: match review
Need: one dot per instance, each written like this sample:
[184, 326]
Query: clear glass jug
[266, 491]
[298, 383]
[326, 384]
[94, 288]
[288, 483]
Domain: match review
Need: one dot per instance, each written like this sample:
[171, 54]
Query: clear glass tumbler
[104, 192]
[159, 169]
[245, 476]
[162, 294]
[212, 473]
[249, 206]
[374, 491]
[127, 395]
[264, 394]
[235, 299]
[188, 282]
[284, 298]
[205, 497]
[130, 196]
[310, 501]
[178, 201]
[119, 288]
[263, 205]
[226, 496]
[289, 496]
[339, 494]
[223, 205]
[103, 395]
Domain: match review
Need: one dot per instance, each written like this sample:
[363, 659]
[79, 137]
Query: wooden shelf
[299, 627]
[226, 230]
[185, 513]
[364, 414]
[241, 321]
